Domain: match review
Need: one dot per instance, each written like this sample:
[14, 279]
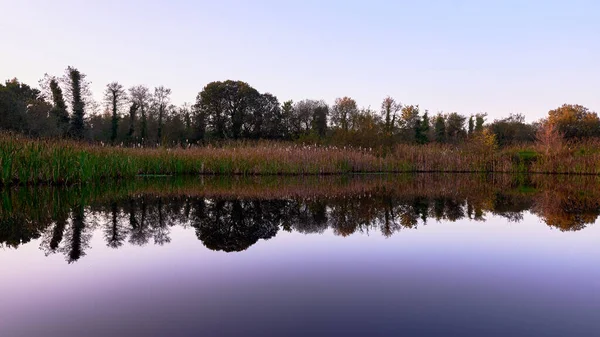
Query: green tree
[13, 106]
[59, 108]
[479, 121]
[76, 87]
[231, 108]
[289, 124]
[513, 130]
[319, 120]
[273, 118]
[440, 129]
[471, 128]
[423, 134]
[455, 127]
[200, 121]
[410, 122]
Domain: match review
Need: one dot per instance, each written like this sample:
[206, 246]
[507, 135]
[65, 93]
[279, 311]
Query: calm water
[422, 255]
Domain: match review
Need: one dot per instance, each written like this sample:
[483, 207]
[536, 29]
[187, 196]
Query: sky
[471, 56]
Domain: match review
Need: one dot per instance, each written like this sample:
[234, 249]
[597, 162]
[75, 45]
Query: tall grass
[26, 161]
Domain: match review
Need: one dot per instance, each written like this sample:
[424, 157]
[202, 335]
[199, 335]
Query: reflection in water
[232, 214]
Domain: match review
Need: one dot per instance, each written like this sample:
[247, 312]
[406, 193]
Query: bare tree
[160, 102]
[115, 96]
[344, 113]
[141, 97]
[389, 109]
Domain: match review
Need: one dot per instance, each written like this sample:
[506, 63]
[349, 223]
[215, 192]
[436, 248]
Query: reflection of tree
[64, 219]
[115, 232]
[77, 239]
[235, 225]
[511, 207]
[140, 231]
[565, 212]
[160, 225]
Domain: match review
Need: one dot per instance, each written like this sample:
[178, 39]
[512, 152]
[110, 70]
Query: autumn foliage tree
[575, 121]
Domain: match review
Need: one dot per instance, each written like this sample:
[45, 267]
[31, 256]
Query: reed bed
[25, 161]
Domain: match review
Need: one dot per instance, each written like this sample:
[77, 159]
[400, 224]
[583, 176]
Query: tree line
[64, 107]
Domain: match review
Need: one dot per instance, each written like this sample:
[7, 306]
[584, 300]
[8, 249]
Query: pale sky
[467, 56]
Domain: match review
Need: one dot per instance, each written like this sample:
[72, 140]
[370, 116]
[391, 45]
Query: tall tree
[479, 121]
[161, 100]
[343, 112]
[410, 122]
[273, 120]
[59, 108]
[471, 127]
[230, 107]
[200, 120]
[319, 120]
[141, 97]
[289, 123]
[423, 135]
[133, 108]
[455, 127]
[389, 109]
[14, 99]
[76, 86]
[440, 128]
[116, 97]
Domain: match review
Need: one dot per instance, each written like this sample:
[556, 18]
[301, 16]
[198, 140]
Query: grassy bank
[25, 161]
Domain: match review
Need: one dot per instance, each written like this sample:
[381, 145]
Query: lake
[372, 255]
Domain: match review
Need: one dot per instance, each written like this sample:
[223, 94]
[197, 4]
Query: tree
[513, 130]
[116, 97]
[59, 108]
[76, 82]
[471, 128]
[13, 105]
[343, 113]
[200, 120]
[140, 96]
[440, 128]
[287, 115]
[311, 115]
[389, 109]
[273, 120]
[185, 112]
[303, 114]
[455, 127]
[422, 136]
[319, 120]
[133, 108]
[160, 102]
[549, 137]
[410, 122]
[479, 121]
[575, 121]
[228, 106]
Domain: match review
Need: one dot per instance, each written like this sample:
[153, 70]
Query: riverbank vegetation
[59, 134]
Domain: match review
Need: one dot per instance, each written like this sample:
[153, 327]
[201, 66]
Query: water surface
[428, 255]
